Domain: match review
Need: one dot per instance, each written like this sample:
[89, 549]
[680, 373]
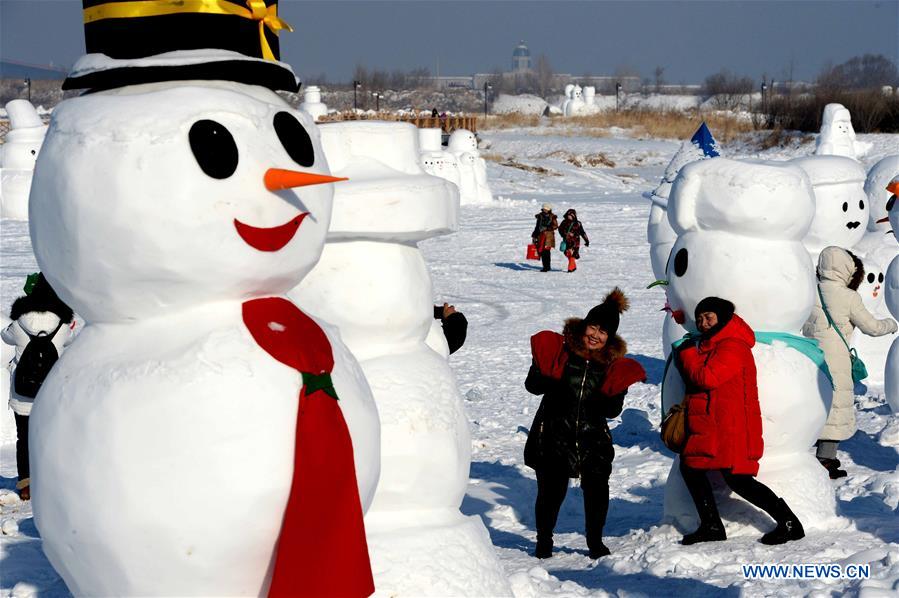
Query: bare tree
[659, 73]
[727, 89]
[860, 72]
[542, 77]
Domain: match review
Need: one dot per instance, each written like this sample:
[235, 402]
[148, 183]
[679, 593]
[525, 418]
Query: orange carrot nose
[893, 187]
[277, 179]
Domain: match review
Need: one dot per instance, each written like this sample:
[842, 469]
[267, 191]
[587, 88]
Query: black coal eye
[214, 148]
[861, 204]
[680, 262]
[33, 152]
[845, 206]
[295, 139]
[880, 277]
[871, 277]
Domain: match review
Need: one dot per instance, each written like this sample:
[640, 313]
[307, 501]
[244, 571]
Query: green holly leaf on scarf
[322, 382]
[30, 281]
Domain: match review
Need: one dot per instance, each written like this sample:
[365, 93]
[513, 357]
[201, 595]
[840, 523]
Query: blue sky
[690, 39]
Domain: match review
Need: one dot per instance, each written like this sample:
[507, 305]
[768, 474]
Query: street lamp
[377, 101]
[617, 93]
[764, 96]
[487, 87]
[28, 83]
[356, 85]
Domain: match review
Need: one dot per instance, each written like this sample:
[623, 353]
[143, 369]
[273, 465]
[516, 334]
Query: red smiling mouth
[269, 239]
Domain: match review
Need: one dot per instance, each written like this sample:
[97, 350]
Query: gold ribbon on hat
[266, 16]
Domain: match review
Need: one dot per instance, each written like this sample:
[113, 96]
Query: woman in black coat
[583, 377]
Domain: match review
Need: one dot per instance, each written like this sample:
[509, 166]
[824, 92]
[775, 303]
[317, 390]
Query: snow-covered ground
[483, 272]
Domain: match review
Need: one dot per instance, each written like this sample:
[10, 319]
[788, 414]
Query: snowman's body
[739, 229]
[18, 155]
[167, 432]
[389, 206]
[473, 186]
[312, 102]
[841, 204]
[576, 104]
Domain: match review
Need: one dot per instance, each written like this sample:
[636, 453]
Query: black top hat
[146, 41]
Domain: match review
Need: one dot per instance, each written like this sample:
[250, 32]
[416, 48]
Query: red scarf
[322, 549]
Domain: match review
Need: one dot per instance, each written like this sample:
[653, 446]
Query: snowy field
[483, 272]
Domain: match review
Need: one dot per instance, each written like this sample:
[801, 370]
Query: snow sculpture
[312, 103]
[172, 216]
[841, 205]
[891, 377]
[473, 186]
[837, 137]
[740, 226]
[566, 99]
[589, 95]
[576, 104]
[659, 233]
[873, 350]
[421, 544]
[17, 157]
[434, 159]
[878, 234]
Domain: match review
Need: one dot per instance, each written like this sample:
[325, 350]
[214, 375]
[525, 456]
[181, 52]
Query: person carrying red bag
[583, 377]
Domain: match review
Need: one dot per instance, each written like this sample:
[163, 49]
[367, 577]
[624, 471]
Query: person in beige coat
[839, 274]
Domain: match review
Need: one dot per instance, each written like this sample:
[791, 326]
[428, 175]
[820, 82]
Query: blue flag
[703, 139]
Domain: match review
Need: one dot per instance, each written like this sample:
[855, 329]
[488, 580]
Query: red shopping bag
[532, 252]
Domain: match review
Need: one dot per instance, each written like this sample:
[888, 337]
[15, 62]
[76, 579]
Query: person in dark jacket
[724, 422]
[583, 377]
[571, 230]
[544, 236]
[455, 325]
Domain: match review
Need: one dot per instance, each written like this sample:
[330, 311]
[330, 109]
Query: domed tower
[521, 58]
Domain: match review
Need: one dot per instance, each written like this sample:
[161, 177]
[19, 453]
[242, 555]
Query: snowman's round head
[739, 227]
[841, 205]
[872, 285]
[462, 140]
[577, 93]
[164, 196]
[876, 189]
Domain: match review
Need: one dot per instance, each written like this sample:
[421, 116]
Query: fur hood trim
[573, 332]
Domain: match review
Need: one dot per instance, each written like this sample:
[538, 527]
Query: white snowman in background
[891, 280]
[841, 204]
[878, 234]
[312, 102]
[659, 233]
[173, 216]
[18, 155]
[740, 226]
[576, 105]
[434, 159]
[473, 186]
[837, 137]
[414, 526]
[566, 98]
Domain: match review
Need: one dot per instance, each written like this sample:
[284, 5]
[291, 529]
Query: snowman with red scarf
[204, 436]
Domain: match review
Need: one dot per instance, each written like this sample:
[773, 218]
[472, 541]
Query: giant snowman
[740, 227]
[191, 440]
[17, 158]
[421, 544]
[660, 234]
[891, 382]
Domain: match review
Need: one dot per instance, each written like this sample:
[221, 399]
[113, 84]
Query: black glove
[586, 243]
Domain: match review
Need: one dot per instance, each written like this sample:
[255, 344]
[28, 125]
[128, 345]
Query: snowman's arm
[862, 319]
[722, 365]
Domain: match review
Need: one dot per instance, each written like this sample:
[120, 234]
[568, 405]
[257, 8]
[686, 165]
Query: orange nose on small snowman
[278, 179]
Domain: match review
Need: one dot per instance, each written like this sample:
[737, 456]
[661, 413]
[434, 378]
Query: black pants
[551, 490]
[546, 256]
[22, 446]
[752, 490]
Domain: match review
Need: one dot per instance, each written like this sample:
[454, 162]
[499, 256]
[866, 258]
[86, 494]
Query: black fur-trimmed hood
[42, 298]
[573, 332]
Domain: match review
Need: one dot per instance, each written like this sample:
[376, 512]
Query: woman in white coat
[839, 275]
[37, 317]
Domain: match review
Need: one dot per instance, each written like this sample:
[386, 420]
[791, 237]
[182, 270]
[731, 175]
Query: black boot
[788, 526]
[710, 527]
[833, 468]
[599, 551]
[544, 549]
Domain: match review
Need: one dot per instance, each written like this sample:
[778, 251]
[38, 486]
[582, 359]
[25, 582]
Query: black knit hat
[722, 308]
[129, 43]
[607, 315]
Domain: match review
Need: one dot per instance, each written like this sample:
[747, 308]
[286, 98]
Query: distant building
[13, 69]
[521, 58]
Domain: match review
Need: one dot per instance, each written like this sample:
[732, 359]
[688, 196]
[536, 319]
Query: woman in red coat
[724, 424]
